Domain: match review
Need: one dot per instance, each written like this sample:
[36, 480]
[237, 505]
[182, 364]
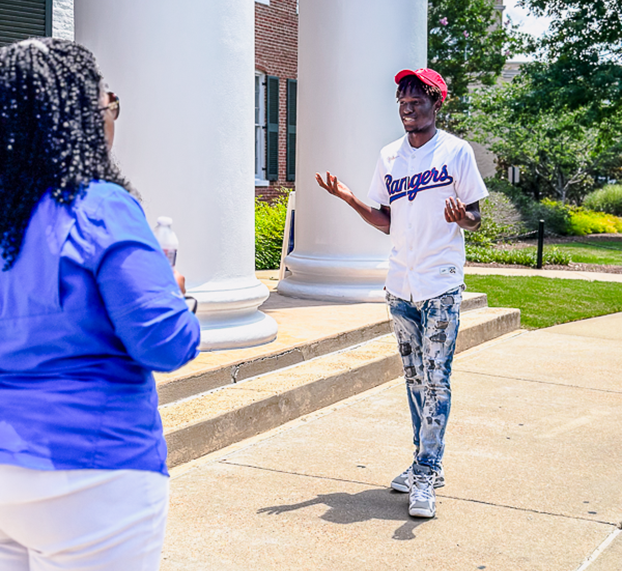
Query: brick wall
[276, 53]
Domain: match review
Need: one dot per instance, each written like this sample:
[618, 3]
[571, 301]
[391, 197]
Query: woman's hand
[181, 281]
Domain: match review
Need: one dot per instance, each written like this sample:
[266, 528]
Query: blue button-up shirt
[88, 310]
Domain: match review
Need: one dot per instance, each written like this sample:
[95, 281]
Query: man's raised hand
[333, 186]
[467, 216]
[455, 210]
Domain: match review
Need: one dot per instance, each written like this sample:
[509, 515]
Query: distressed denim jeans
[426, 333]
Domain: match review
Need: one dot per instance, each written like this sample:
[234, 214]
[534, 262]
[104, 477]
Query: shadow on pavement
[345, 508]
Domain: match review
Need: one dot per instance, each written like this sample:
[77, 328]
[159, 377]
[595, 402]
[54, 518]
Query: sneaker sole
[421, 513]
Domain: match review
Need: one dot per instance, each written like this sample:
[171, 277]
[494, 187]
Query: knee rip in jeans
[447, 300]
[405, 349]
[439, 337]
[410, 374]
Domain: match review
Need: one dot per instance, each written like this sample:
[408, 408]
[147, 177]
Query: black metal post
[540, 244]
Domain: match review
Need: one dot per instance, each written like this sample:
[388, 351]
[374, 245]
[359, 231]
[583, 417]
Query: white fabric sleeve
[469, 185]
[377, 189]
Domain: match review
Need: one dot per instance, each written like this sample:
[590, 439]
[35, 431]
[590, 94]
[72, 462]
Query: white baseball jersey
[427, 258]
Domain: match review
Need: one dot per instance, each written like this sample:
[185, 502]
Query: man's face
[417, 110]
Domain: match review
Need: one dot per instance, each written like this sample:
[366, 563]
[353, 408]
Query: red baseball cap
[428, 76]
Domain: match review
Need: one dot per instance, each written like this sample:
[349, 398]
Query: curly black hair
[51, 132]
[411, 82]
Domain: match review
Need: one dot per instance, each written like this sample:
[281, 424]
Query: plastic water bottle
[167, 238]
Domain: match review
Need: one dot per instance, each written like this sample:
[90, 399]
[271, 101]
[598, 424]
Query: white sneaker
[400, 483]
[422, 500]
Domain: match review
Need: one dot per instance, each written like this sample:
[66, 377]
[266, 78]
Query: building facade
[276, 64]
[276, 73]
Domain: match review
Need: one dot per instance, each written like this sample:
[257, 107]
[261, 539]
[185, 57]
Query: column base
[229, 315]
[334, 279]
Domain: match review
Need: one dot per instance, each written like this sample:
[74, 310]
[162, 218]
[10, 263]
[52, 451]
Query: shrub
[269, 228]
[521, 256]
[500, 220]
[607, 199]
[584, 222]
[556, 216]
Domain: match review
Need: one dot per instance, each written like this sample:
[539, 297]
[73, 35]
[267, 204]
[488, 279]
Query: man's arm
[467, 216]
[378, 218]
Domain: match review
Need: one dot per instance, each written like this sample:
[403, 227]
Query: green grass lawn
[593, 251]
[546, 301]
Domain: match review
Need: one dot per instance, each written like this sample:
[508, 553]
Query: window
[266, 128]
[23, 19]
[272, 128]
[260, 129]
[292, 88]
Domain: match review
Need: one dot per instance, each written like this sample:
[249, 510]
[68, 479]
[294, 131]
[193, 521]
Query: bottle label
[171, 256]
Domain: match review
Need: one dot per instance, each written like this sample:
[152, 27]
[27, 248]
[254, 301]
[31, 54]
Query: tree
[467, 44]
[579, 61]
[561, 153]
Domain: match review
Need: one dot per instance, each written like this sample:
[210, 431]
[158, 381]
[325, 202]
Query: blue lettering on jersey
[411, 185]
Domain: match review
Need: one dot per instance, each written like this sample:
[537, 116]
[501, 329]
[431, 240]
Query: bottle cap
[164, 221]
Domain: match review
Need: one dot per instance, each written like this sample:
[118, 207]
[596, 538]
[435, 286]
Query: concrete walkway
[561, 274]
[533, 467]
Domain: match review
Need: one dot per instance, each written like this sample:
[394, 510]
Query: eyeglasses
[114, 106]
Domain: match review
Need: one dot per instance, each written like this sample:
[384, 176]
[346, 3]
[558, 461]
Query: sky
[530, 24]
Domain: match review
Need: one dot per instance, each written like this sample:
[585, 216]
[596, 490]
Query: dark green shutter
[292, 86]
[272, 134]
[21, 19]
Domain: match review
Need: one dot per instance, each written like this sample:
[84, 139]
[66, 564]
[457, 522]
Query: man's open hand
[467, 216]
[333, 186]
[455, 210]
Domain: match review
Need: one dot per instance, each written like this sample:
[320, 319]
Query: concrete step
[307, 330]
[206, 422]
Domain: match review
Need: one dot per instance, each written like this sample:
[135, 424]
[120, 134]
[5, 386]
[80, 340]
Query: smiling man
[428, 189]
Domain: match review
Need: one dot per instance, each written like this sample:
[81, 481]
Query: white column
[184, 72]
[349, 53]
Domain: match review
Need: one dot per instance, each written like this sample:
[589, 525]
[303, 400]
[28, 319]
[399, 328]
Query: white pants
[81, 520]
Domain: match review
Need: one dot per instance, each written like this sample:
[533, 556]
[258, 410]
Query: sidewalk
[533, 467]
[544, 273]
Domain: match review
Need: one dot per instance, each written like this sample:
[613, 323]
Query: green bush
[584, 222]
[500, 220]
[519, 256]
[269, 228]
[607, 199]
[555, 215]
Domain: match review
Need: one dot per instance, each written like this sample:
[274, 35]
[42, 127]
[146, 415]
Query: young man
[428, 187]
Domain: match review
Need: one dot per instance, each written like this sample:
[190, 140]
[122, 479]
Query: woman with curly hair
[89, 307]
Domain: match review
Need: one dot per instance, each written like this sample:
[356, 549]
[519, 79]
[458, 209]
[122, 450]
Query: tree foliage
[467, 43]
[561, 153]
[579, 60]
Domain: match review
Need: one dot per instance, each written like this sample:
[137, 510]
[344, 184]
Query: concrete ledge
[231, 373]
[245, 364]
[208, 422]
[216, 420]
[486, 324]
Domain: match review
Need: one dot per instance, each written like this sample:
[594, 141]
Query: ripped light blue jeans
[426, 334]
